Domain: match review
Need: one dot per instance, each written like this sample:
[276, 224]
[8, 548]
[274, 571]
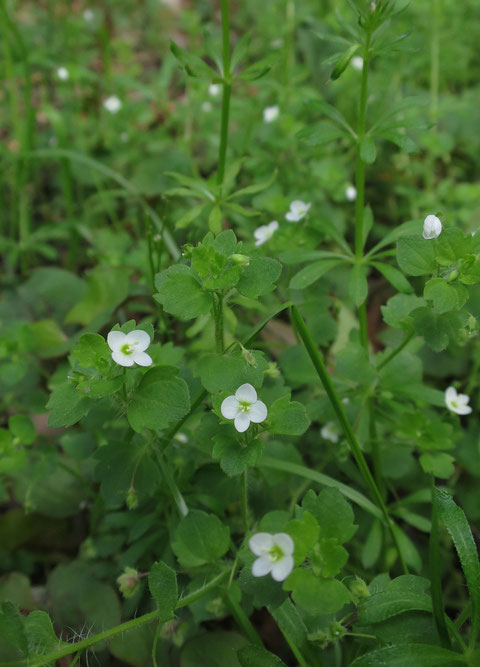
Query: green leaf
[394, 277]
[162, 582]
[290, 621]
[358, 285]
[408, 549]
[343, 61]
[330, 557]
[287, 417]
[91, 351]
[259, 277]
[215, 649]
[405, 593]
[403, 141]
[372, 546]
[117, 462]
[332, 512]
[368, 152]
[21, 426]
[353, 362]
[190, 216]
[256, 656]
[107, 287]
[41, 635]
[416, 256]
[160, 399]
[314, 595]
[450, 246]
[411, 655]
[304, 532]
[470, 270]
[181, 294]
[67, 406]
[235, 457]
[253, 189]
[46, 339]
[215, 220]
[12, 628]
[438, 464]
[309, 274]
[200, 538]
[455, 521]
[194, 66]
[436, 328]
[320, 133]
[445, 296]
[219, 372]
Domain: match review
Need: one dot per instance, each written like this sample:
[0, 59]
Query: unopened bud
[272, 370]
[249, 357]
[242, 260]
[453, 276]
[128, 582]
[132, 498]
[359, 590]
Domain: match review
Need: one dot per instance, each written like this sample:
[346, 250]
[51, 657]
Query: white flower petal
[246, 393]
[282, 568]
[297, 205]
[139, 338]
[463, 410]
[261, 567]
[273, 226]
[285, 542]
[463, 399]
[142, 358]
[242, 422]
[432, 227]
[258, 412]
[115, 340]
[122, 359]
[291, 216]
[450, 395]
[229, 407]
[260, 543]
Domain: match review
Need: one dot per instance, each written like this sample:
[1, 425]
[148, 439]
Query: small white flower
[181, 437]
[244, 408]
[88, 15]
[329, 432]
[351, 193]
[214, 89]
[265, 232]
[271, 113]
[275, 555]
[432, 227]
[206, 107]
[112, 104]
[129, 349]
[298, 210]
[63, 73]
[277, 43]
[357, 62]
[457, 402]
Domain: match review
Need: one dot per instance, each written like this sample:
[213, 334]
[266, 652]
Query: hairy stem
[227, 90]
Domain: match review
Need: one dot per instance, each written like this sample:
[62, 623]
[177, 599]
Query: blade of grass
[357, 453]
[436, 578]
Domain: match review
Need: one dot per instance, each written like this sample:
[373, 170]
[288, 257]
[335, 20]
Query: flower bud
[242, 260]
[272, 370]
[249, 358]
[128, 582]
[132, 498]
[453, 276]
[359, 590]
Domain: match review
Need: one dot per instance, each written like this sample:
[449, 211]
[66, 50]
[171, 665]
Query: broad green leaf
[316, 596]
[368, 152]
[160, 399]
[445, 296]
[394, 277]
[259, 277]
[353, 363]
[436, 328]
[67, 406]
[396, 313]
[451, 245]
[332, 512]
[12, 628]
[304, 532]
[453, 518]
[162, 582]
[320, 133]
[117, 462]
[410, 655]
[181, 294]
[329, 557]
[309, 274]
[438, 464]
[219, 372]
[200, 538]
[91, 351]
[215, 649]
[107, 287]
[21, 426]
[357, 285]
[256, 656]
[46, 339]
[416, 255]
[405, 593]
[234, 456]
[41, 635]
[470, 270]
[287, 417]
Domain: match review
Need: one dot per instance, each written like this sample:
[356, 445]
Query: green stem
[174, 490]
[396, 351]
[242, 619]
[436, 578]
[377, 459]
[117, 630]
[218, 318]
[244, 481]
[362, 465]
[227, 90]
[295, 650]
[434, 60]
[360, 169]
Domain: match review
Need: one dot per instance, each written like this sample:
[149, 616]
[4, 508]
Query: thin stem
[377, 460]
[244, 482]
[434, 60]
[174, 490]
[436, 578]
[227, 89]
[218, 317]
[242, 619]
[317, 361]
[396, 351]
[117, 630]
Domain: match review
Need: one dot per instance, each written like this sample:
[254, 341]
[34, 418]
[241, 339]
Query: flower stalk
[227, 90]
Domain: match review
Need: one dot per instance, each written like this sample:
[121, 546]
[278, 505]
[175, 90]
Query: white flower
[457, 402]
[265, 232]
[329, 432]
[112, 104]
[271, 113]
[206, 107]
[62, 73]
[351, 193]
[244, 408]
[298, 210]
[181, 437]
[357, 62]
[275, 555]
[88, 15]
[214, 89]
[432, 227]
[129, 349]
